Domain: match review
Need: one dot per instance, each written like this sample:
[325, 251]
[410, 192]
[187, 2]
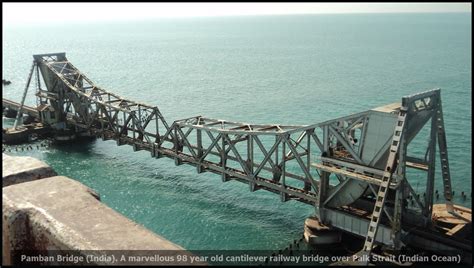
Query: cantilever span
[341, 166]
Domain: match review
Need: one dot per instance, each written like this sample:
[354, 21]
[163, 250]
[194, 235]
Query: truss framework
[323, 164]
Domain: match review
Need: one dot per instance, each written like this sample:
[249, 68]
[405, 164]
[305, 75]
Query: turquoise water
[268, 69]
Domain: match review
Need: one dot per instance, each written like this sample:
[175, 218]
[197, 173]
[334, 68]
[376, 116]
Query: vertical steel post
[308, 155]
[19, 113]
[125, 124]
[284, 196]
[276, 150]
[362, 135]
[223, 158]
[250, 155]
[324, 178]
[39, 99]
[443, 153]
[199, 149]
[139, 125]
[400, 195]
[250, 159]
[177, 159]
[430, 180]
[134, 125]
[158, 138]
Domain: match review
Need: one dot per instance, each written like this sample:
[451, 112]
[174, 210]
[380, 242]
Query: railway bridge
[352, 169]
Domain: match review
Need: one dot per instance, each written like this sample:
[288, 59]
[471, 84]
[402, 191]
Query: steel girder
[264, 156]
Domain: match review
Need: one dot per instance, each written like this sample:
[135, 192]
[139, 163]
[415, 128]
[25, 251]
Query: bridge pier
[120, 142]
[178, 161]
[158, 154]
[103, 136]
[253, 186]
[64, 135]
[199, 168]
[316, 233]
[155, 153]
[225, 177]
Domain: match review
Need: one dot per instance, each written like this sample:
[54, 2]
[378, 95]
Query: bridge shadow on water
[81, 146]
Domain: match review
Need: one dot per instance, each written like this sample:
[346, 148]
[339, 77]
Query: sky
[47, 13]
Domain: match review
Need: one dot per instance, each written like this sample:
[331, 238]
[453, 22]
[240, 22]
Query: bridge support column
[119, 142]
[283, 195]
[250, 157]
[155, 153]
[253, 186]
[316, 233]
[199, 167]
[323, 179]
[177, 147]
[225, 176]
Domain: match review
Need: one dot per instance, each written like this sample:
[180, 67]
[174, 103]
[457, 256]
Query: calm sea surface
[262, 69]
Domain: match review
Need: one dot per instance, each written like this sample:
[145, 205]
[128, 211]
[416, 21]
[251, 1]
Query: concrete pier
[316, 233]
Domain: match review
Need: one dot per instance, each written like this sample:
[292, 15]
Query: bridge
[13, 105]
[352, 169]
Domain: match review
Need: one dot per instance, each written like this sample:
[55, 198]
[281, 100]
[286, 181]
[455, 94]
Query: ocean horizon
[285, 69]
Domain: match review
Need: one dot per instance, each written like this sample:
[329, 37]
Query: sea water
[298, 69]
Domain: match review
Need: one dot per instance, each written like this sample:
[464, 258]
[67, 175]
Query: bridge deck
[16, 106]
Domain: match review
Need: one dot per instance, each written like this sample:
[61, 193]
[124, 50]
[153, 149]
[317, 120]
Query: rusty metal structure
[352, 169]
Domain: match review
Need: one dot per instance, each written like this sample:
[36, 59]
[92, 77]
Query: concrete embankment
[43, 212]
[22, 169]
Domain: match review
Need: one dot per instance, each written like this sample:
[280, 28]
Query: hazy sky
[39, 13]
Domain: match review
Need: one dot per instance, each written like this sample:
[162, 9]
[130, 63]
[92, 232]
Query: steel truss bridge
[351, 169]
